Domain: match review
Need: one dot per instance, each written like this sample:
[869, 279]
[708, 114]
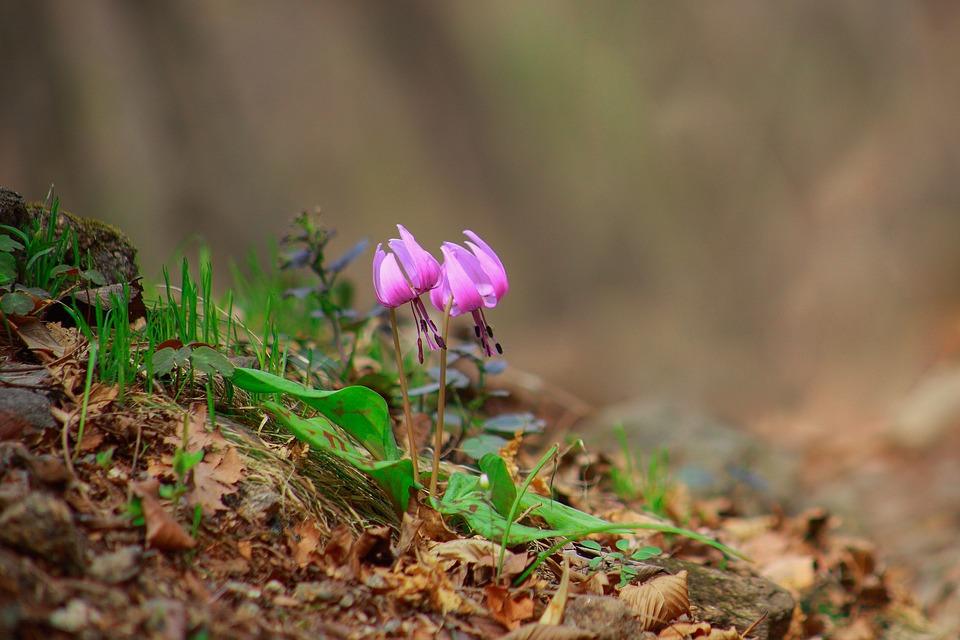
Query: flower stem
[407, 414]
[441, 400]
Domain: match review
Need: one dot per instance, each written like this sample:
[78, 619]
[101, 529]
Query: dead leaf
[38, 338]
[658, 601]
[163, 532]
[793, 572]
[509, 610]
[553, 614]
[479, 552]
[217, 474]
[245, 549]
[214, 477]
[423, 582]
[698, 631]
[372, 547]
[304, 542]
[540, 631]
[433, 527]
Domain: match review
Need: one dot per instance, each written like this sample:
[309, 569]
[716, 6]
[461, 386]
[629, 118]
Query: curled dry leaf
[509, 610]
[163, 532]
[304, 541]
[480, 552]
[553, 614]
[540, 631]
[658, 601]
[698, 631]
[371, 548]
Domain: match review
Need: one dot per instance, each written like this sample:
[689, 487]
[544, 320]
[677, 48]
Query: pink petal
[474, 270]
[463, 288]
[424, 269]
[391, 284]
[490, 263]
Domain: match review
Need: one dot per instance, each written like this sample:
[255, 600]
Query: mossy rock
[111, 251]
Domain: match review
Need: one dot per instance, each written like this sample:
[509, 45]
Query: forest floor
[149, 489]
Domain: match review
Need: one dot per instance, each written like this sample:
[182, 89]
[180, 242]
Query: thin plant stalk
[441, 400]
[407, 414]
[91, 360]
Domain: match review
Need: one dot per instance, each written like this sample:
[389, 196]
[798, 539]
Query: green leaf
[209, 361]
[164, 360]
[16, 303]
[645, 553]
[8, 268]
[622, 544]
[94, 277]
[359, 411]
[184, 461]
[395, 476]
[591, 544]
[502, 490]
[9, 244]
[510, 423]
[464, 499]
[64, 270]
[479, 446]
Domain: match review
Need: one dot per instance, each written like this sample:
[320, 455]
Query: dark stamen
[420, 349]
[476, 330]
[440, 342]
[489, 331]
[499, 348]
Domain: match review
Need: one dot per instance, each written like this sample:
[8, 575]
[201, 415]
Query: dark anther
[489, 331]
[476, 330]
[441, 343]
[499, 348]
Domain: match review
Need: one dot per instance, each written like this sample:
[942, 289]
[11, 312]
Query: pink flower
[473, 279]
[403, 276]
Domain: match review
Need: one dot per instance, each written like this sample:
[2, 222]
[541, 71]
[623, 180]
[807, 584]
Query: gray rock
[111, 251]
[725, 599]
[43, 526]
[117, 566]
[607, 617]
[711, 457]
[22, 410]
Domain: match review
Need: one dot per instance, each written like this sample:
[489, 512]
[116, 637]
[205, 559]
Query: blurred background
[746, 204]
[752, 207]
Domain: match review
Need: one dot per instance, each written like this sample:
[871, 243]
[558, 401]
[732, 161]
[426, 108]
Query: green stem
[620, 528]
[516, 503]
[91, 359]
[407, 414]
[441, 400]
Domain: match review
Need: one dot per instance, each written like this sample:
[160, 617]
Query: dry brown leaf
[433, 527]
[509, 610]
[698, 631]
[479, 552]
[424, 582]
[38, 338]
[658, 601]
[540, 631]
[214, 477]
[245, 549]
[217, 474]
[553, 614]
[793, 572]
[372, 547]
[163, 532]
[596, 584]
[304, 542]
